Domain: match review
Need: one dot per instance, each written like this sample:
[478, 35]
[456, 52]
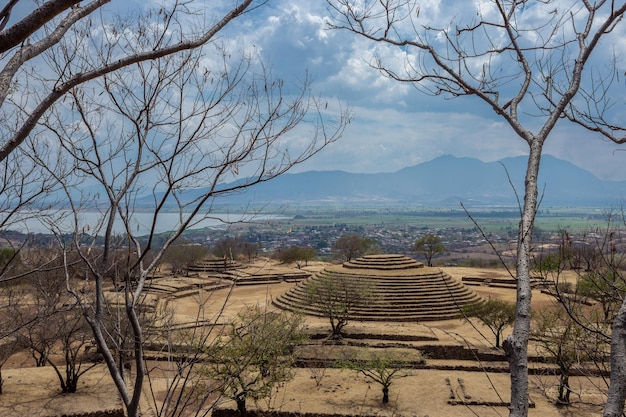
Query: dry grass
[423, 392]
[35, 392]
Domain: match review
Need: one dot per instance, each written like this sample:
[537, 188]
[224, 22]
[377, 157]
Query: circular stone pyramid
[401, 289]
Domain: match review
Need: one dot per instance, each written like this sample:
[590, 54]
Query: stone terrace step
[386, 297]
[387, 275]
[214, 265]
[365, 263]
[444, 314]
[393, 303]
[380, 266]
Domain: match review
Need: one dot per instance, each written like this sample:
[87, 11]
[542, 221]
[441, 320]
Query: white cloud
[396, 125]
[357, 75]
[389, 140]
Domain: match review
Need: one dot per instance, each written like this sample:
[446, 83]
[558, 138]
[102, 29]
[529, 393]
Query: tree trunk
[71, 378]
[40, 360]
[131, 403]
[516, 345]
[564, 390]
[120, 358]
[385, 395]
[71, 386]
[140, 370]
[337, 326]
[241, 406]
[617, 390]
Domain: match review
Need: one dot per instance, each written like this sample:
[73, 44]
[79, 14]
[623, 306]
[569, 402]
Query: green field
[489, 219]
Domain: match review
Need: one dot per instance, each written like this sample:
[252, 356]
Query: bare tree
[74, 336]
[11, 296]
[169, 137]
[602, 287]
[27, 198]
[7, 349]
[116, 324]
[98, 43]
[29, 298]
[123, 42]
[227, 248]
[250, 250]
[46, 294]
[604, 279]
[531, 65]
[184, 120]
[52, 324]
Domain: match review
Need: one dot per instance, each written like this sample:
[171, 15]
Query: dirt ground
[419, 393]
[35, 392]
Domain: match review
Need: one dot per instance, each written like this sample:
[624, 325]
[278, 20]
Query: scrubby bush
[301, 255]
[256, 356]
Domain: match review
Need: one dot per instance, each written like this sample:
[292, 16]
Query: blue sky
[395, 125]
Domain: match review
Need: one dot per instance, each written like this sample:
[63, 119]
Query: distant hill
[442, 181]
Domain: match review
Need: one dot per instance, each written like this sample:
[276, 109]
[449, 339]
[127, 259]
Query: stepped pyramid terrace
[400, 289]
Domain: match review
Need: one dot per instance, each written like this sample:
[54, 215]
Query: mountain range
[442, 181]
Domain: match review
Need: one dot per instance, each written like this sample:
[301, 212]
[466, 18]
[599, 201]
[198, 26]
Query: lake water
[140, 223]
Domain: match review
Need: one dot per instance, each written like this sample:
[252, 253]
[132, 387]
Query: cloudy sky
[394, 124]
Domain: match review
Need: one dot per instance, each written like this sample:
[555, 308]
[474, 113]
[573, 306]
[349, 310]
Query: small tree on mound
[382, 368]
[352, 245]
[256, 356]
[495, 314]
[336, 296]
[298, 254]
[607, 286]
[566, 344]
[429, 246]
